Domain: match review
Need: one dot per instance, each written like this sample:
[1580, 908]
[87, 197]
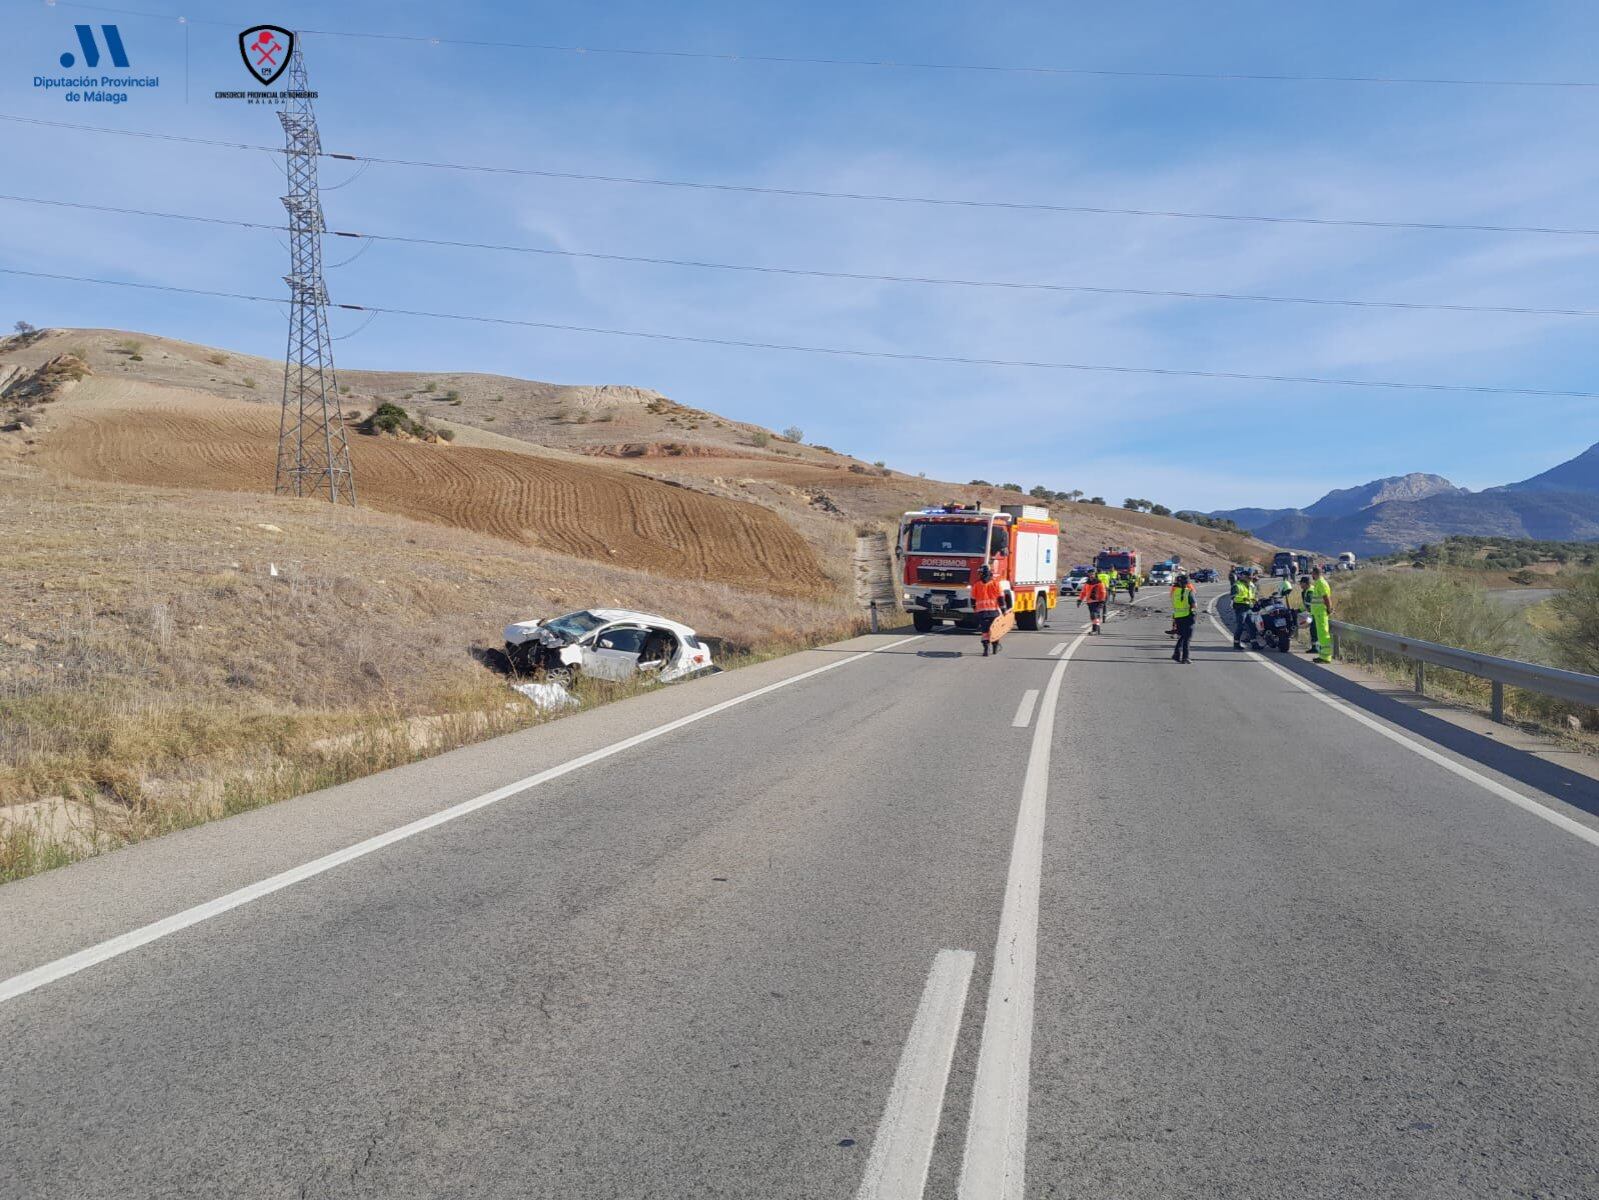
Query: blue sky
[1487, 155]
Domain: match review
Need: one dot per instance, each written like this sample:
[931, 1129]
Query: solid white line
[1526, 803]
[1024, 711]
[996, 1134]
[903, 1146]
[1059, 646]
[18, 985]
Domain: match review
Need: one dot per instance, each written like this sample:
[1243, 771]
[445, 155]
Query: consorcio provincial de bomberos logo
[266, 50]
[103, 53]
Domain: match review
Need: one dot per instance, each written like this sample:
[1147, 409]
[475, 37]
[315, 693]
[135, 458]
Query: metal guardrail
[1501, 672]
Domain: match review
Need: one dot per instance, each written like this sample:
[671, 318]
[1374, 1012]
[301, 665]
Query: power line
[888, 63]
[851, 276]
[820, 194]
[846, 352]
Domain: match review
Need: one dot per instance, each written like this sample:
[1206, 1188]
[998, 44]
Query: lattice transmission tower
[313, 449]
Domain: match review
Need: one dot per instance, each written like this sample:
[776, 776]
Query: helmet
[1182, 580]
[985, 573]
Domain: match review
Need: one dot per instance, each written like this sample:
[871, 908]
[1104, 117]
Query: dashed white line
[994, 1167]
[903, 1145]
[1059, 646]
[18, 985]
[1024, 711]
[1526, 803]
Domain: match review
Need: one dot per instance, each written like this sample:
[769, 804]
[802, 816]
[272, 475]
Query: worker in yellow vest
[1321, 614]
[1182, 617]
[1243, 601]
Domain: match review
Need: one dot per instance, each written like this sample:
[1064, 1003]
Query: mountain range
[1402, 512]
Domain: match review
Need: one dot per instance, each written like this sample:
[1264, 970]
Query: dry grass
[154, 672]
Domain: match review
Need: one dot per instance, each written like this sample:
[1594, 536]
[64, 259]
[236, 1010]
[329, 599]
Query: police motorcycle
[1270, 623]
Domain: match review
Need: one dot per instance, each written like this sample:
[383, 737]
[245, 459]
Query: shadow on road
[1575, 789]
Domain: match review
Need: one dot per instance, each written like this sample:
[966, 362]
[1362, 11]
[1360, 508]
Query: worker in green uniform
[1183, 606]
[1321, 613]
[1243, 601]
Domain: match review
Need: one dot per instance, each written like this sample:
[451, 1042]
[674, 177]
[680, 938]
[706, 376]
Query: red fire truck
[941, 547]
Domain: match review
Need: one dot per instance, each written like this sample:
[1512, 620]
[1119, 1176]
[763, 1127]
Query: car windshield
[1115, 562]
[574, 625]
[949, 537]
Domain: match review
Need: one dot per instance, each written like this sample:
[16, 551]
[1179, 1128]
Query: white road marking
[994, 1167]
[1059, 646]
[18, 985]
[1527, 803]
[1024, 711]
[903, 1145]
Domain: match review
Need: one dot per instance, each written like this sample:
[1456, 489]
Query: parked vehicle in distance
[1163, 573]
[1075, 578]
[1121, 564]
[1346, 561]
[1203, 575]
[607, 643]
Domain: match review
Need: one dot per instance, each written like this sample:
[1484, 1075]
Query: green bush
[1575, 640]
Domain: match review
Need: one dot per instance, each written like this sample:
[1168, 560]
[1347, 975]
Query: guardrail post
[874, 616]
[1421, 678]
[1499, 702]
[1337, 649]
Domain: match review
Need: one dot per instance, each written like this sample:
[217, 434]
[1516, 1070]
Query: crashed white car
[607, 643]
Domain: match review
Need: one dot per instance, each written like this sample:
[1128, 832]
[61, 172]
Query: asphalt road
[1076, 921]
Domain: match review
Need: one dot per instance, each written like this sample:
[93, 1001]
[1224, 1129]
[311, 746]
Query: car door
[612, 652]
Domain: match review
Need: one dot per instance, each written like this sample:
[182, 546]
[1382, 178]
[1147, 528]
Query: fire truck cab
[941, 547]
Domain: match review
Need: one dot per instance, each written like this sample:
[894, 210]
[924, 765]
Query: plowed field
[159, 437]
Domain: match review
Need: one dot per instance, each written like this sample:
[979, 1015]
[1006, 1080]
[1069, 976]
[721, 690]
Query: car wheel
[922, 622]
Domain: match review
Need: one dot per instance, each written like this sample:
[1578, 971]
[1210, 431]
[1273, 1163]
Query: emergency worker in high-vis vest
[986, 597]
[1243, 601]
[1183, 607]
[1321, 614]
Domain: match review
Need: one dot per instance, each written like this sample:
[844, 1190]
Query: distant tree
[1132, 505]
[1074, 495]
[1040, 492]
[25, 329]
[1096, 499]
[794, 434]
[1160, 510]
[979, 483]
[1011, 487]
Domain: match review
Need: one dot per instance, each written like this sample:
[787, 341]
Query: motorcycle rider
[1183, 606]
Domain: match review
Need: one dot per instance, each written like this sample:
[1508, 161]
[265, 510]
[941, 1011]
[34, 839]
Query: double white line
[994, 1167]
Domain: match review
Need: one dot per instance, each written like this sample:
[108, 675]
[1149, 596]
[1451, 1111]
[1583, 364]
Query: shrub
[130, 345]
[1575, 640]
[25, 329]
[453, 396]
[217, 360]
[880, 465]
[429, 386]
[446, 435]
[794, 434]
[249, 382]
[979, 483]
[761, 439]
[135, 358]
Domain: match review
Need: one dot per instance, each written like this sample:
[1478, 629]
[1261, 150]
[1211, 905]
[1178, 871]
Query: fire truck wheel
[1027, 620]
[923, 622]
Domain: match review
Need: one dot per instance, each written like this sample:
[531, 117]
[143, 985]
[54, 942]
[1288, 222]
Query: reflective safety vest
[1320, 593]
[1182, 601]
[1243, 594]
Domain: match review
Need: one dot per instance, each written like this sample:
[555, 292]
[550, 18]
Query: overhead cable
[893, 64]
[848, 276]
[847, 352]
[821, 194]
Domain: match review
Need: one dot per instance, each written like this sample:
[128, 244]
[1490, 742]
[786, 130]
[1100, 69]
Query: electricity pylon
[313, 449]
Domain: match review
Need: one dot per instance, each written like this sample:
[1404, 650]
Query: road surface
[1076, 921]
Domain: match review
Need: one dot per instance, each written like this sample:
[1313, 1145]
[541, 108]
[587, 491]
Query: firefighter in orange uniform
[986, 598]
[1095, 594]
